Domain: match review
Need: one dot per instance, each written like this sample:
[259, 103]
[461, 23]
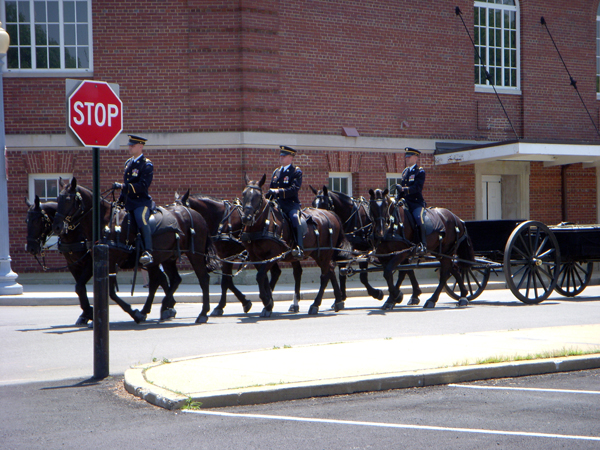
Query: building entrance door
[492, 197]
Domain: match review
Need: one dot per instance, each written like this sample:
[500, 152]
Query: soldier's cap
[136, 140]
[285, 150]
[411, 151]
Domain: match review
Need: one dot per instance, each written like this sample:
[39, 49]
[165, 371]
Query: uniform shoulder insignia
[298, 168]
[148, 160]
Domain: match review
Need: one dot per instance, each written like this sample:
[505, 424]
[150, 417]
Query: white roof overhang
[550, 153]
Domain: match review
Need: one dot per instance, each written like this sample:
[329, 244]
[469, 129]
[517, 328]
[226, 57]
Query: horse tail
[344, 249]
[465, 249]
[212, 261]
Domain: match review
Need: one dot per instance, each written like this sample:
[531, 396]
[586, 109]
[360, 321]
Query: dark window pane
[344, 185]
[491, 17]
[81, 9]
[69, 11]
[41, 57]
[39, 9]
[41, 37]
[70, 35]
[26, 58]
[70, 58]
[11, 11]
[54, 34]
[83, 58]
[13, 57]
[52, 11]
[52, 189]
[82, 35]
[39, 187]
[513, 77]
[25, 34]
[24, 13]
[13, 32]
[498, 38]
[54, 53]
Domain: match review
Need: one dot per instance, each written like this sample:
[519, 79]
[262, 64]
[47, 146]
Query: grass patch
[531, 356]
[191, 404]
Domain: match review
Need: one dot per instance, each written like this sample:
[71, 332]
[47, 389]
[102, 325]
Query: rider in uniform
[134, 192]
[411, 188]
[285, 184]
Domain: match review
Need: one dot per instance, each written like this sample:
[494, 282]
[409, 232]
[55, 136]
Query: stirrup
[146, 259]
[298, 252]
[420, 249]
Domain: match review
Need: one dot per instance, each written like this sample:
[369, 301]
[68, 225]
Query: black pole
[100, 255]
[458, 12]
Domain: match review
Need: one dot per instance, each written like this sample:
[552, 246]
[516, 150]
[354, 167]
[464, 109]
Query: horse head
[322, 199]
[379, 211]
[39, 224]
[70, 209]
[252, 200]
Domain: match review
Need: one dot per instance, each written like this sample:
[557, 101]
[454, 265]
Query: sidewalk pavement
[279, 374]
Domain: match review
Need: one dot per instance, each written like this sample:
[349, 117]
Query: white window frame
[58, 72]
[340, 175]
[392, 179]
[598, 53]
[46, 176]
[501, 88]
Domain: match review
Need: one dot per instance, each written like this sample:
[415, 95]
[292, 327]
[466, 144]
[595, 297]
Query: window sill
[49, 74]
[500, 90]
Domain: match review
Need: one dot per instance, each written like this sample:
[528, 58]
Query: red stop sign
[95, 114]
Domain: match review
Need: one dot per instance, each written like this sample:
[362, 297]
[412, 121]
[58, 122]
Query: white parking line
[394, 425]
[508, 388]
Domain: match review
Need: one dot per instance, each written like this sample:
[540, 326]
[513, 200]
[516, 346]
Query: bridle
[258, 211]
[73, 220]
[326, 200]
[46, 227]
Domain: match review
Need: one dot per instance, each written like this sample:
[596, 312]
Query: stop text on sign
[96, 111]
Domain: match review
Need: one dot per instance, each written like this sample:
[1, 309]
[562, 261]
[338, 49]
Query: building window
[392, 179]
[45, 185]
[598, 51]
[340, 182]
[497, 41]
[49, 35]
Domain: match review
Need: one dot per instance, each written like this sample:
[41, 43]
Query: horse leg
[395, 295]
[462, 301]
[275, 274]
[227, 283]
[154, 275]
[364, 279]
[326, 274]
[297, 270]
[136, 315]
[198, 263]
[264, 290]
[343, 278]
[445, 268]
[167, 310]
[81, 279]
[416, 290]
[337, 292]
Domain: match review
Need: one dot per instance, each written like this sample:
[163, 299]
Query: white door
[492, 197]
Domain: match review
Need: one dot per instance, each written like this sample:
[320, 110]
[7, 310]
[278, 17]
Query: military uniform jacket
[414, 179]
[288, 182]
[136, 181]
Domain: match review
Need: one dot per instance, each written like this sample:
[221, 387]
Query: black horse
[394, 234]
[181, 231]
[358, 229]
[76, 249]
[267, 237]
[224, 220]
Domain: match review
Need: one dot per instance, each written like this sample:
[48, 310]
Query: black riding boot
[298, 252]
[146, 257]
[422, 246]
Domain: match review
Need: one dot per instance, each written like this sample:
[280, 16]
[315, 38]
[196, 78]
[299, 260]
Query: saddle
[431, 221]
[162, 221]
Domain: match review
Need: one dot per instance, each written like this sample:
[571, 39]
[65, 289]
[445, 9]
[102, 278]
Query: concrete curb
[136, 384]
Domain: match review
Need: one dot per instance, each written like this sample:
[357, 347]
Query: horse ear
[73, 183]
[262, 180]
[372, 193]
[313, 190]
[61, 183]
[176, 195]
[185, 197]
[37, 201]
[325, 190]
[246, 179]
[28, 202]
[386, 192]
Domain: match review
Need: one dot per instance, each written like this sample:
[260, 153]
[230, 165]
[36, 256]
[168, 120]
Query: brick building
[216, 86]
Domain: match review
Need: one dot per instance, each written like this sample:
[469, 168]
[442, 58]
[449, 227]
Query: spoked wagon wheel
[573, 278]
[475, 279]
[531, 262]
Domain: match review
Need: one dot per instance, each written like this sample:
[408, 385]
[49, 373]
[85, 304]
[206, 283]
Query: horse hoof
[167, 314]
[414, 301]
[139, 317]
[338, 306]
[388, 306]
[294, 308]
[313, 310]
[217, 312]
[201, 319]
[463, 302]
[82, 321]
[378, 294]
[429, 305]
[266, 313]
[247, 306]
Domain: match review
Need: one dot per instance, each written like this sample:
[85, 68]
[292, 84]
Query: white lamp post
[8, 284]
